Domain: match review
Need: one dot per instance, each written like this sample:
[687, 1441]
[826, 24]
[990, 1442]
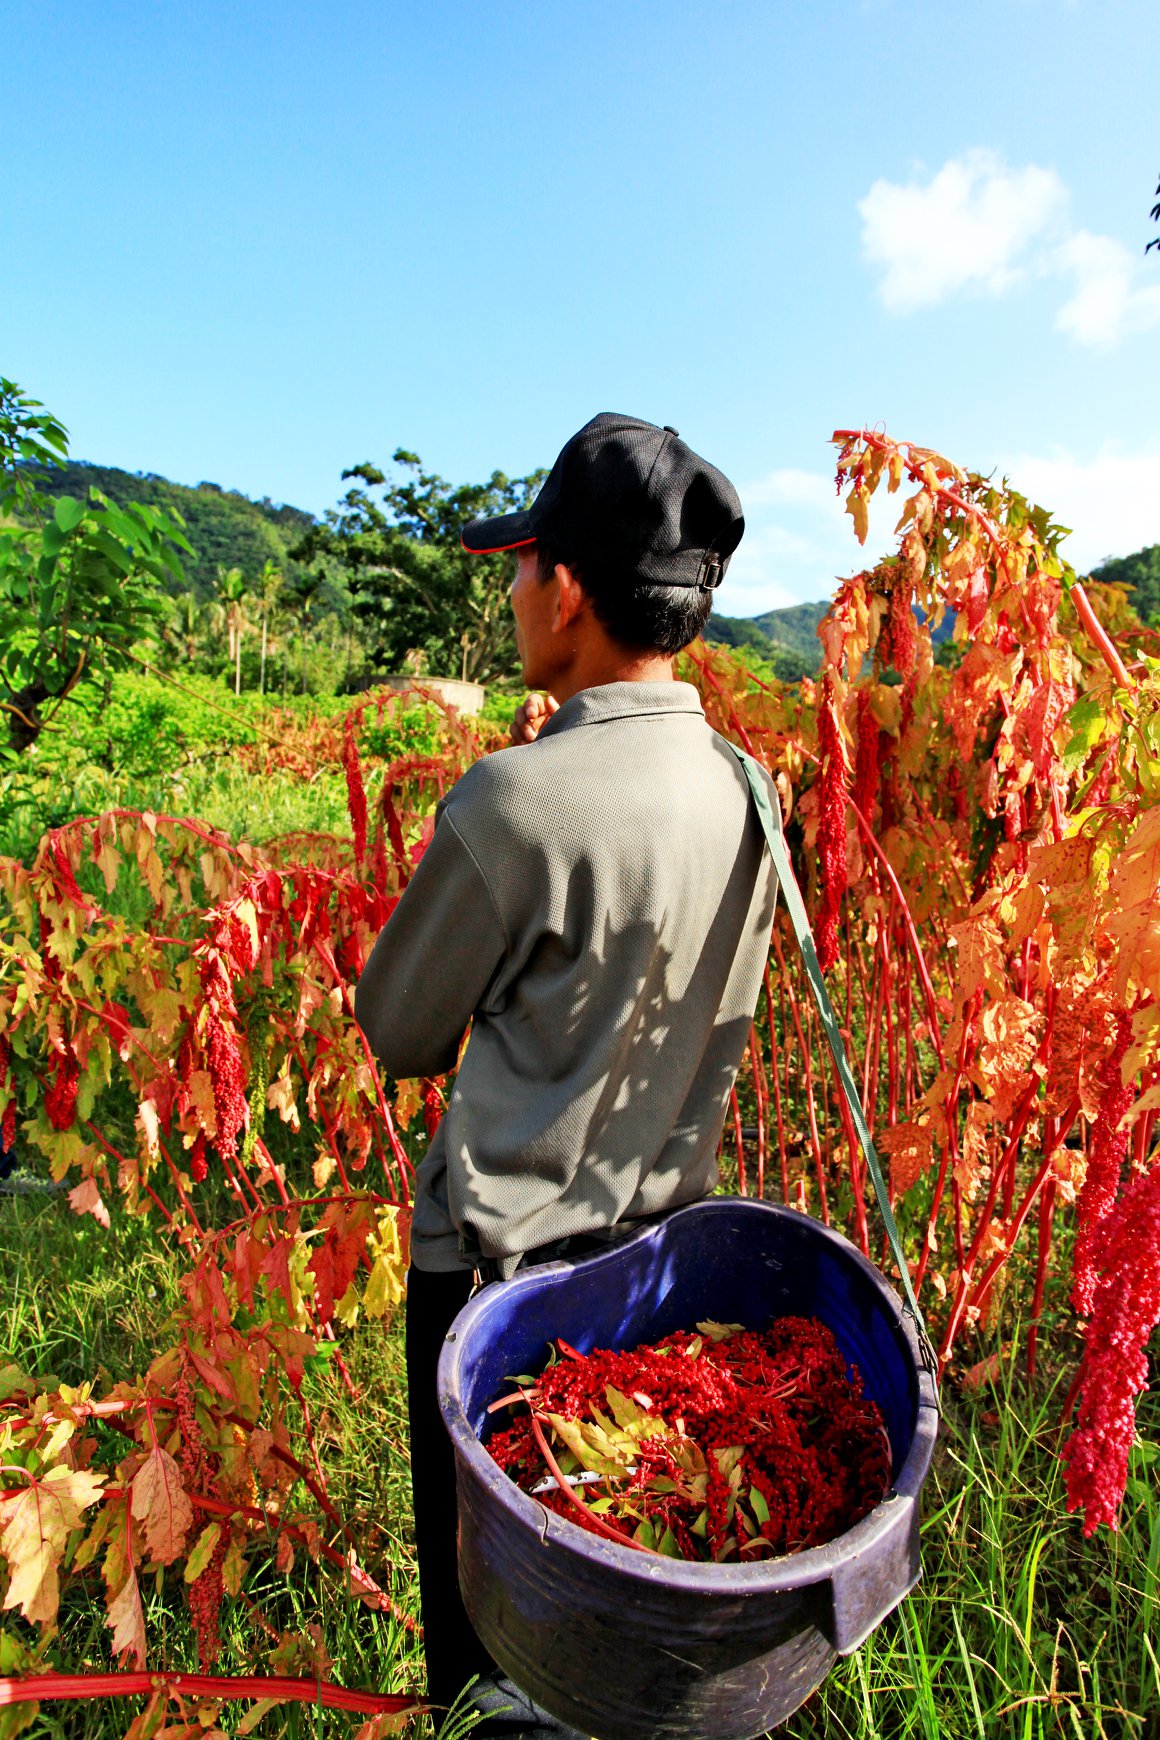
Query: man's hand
[531, 715]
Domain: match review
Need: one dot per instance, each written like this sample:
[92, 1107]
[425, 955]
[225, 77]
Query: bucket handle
[795, 906]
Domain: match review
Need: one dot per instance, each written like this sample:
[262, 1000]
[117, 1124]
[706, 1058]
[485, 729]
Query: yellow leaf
[34, 1528]
[857, 506]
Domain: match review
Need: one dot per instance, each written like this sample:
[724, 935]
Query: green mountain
[225, 528]
[787, 638]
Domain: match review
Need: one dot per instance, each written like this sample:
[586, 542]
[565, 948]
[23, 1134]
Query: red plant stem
[761, 1094]
[805, 1056]
[856, 1168]
[737, 1137]
[280, 1689]
[400, 1156]
[596, 1522]
[145, 1185]
[271, 1168]
[328, 1121]
[776, 1087]
[1098, 635]
[911, 930]
[957, 1210]
[982, 1287]
[891, 1038]
[948, 1153]
[966, 1265]
[1046, 1216]
[870, 1101]
[219, 842]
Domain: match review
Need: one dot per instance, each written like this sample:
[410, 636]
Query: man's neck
[591, 669]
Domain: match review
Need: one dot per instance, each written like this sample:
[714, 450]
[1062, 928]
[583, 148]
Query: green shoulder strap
[795, 906]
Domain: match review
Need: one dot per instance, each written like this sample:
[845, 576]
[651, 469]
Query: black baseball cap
[627, 499]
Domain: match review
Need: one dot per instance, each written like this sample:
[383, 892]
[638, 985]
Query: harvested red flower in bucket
[729, 1444]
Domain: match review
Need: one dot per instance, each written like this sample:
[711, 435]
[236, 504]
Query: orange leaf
[86, 1199]
[160, 1502]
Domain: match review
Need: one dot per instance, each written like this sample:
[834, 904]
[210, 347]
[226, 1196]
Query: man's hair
[644, 618]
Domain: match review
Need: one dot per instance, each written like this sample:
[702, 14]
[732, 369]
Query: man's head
[627, 541]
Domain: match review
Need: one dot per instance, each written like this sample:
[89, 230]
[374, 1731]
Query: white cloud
[1112, 502]
[787, 485]
[798, 541]
[1106, 303]
[968, 228]
[979, 226]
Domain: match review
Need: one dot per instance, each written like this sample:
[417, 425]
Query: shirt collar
[623, 701]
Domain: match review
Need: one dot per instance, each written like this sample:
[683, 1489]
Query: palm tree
[232, 592]
[270, 583]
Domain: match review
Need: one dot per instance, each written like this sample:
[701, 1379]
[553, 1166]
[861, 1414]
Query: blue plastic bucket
[621, 1644]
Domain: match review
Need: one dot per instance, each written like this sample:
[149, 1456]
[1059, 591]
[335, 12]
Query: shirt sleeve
[432, 961]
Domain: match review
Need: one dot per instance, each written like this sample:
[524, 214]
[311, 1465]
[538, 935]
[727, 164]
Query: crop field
[202, 1404]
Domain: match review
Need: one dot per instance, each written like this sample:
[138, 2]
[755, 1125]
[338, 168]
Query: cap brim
[505, 532]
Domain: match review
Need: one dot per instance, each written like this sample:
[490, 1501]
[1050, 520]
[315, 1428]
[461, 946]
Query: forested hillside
[225, 528]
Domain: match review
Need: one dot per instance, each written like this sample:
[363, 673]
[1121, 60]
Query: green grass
[1019, 1627]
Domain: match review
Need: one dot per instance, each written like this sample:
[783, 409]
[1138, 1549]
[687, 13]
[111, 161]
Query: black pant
[454, 1653]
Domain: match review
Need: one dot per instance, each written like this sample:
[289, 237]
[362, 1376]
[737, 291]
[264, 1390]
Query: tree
[415, 587]
[79, 580]
[1155, 242]
[270, 583]
[232, 594]
[305, 598]
[1140, 573]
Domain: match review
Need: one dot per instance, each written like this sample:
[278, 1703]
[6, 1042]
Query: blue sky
[256, 244]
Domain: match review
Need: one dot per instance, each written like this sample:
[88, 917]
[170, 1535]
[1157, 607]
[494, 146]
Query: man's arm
[432, 961]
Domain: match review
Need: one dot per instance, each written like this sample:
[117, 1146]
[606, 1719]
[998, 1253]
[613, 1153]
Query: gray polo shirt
[597, 904]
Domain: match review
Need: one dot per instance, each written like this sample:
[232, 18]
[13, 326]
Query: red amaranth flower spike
[866, 767]
[61, 1097]
[1125, 1311]
[902, 637]
[1105, 1164]
[356, 797]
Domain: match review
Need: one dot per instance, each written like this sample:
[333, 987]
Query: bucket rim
[791, 1571]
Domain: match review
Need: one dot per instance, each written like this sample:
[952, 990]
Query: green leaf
[68, 513]
[668, 1545]
[758, 1505]
[203, 1552]
[646, 1535]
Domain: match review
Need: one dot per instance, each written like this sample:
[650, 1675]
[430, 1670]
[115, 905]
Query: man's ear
[571, 599]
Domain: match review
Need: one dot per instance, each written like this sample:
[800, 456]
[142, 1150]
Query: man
[597, 902]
